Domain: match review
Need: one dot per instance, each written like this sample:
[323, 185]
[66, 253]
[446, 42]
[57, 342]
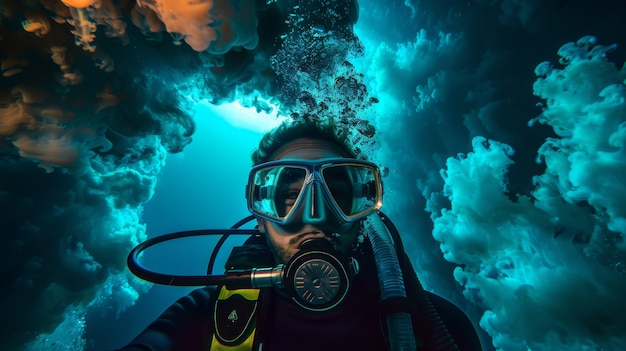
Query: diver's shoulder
[198, 298]
[458, 323]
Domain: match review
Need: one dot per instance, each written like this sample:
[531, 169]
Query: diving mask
[350, 189]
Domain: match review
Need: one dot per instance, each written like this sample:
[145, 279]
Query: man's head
[297, 197]
[306, 128]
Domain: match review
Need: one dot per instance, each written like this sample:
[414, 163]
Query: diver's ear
[261, 224]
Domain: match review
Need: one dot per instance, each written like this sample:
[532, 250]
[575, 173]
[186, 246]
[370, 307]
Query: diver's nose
[314, 211]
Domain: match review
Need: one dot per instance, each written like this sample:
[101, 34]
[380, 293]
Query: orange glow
[146, 20]
[28, 94]
[12, 66]
[109, 15]
[84, 28]
[13, 116]
[79, 4]
[107, 99]
[36, 24]
[189, 19]
[53, 147]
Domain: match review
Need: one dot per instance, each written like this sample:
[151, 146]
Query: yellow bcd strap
[234, 318]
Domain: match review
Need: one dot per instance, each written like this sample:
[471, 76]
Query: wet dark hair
[303, 127]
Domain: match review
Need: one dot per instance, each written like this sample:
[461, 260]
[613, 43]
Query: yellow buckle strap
[243, 340]
[248, 294]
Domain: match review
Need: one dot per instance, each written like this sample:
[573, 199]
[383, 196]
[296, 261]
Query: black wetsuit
[283, 325]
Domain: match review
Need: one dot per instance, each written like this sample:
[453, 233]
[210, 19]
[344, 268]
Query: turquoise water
[502, 125]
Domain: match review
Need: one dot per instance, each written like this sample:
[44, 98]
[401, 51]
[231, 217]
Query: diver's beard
[282, 255]
[299, 238]
[343, 240]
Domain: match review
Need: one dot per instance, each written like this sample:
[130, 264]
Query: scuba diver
[324, 270]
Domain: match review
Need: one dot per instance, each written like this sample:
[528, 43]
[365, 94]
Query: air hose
[391, 283]
[436, 334]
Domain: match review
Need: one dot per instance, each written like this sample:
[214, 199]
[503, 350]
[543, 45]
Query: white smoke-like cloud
[548, 269]
[536, 245]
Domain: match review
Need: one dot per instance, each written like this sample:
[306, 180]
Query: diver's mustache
[300, 236]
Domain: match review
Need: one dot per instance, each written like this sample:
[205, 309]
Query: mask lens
[277, 189]
[354, 188]
[339, 185]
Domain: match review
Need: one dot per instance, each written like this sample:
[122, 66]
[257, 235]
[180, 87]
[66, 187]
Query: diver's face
[285, 240]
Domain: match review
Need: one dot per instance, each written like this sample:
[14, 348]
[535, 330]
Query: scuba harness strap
[235, 319]
[236, 312]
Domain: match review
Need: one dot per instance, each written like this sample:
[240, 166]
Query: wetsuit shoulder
[185, 325]
[457, 322]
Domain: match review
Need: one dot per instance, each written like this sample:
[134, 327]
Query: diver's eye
[285, 201]
[290, 196]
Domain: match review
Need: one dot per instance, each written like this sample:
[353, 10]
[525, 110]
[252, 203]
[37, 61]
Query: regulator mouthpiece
[318, 277]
